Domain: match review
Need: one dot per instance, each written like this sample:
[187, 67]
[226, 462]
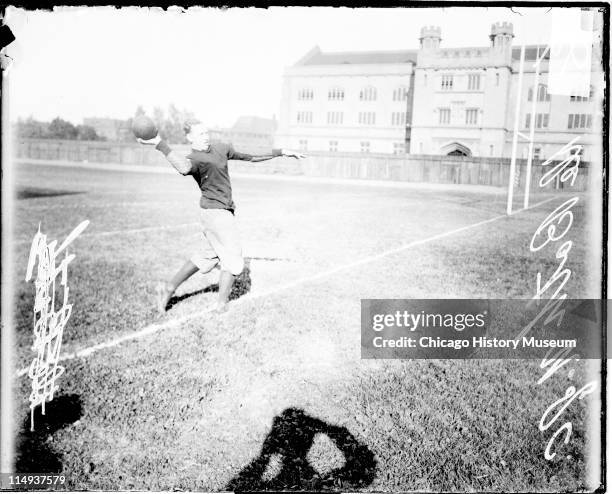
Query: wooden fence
[409, 168]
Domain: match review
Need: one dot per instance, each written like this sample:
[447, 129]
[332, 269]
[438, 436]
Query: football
[144, 128]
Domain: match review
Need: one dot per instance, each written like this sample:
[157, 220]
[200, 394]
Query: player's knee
[203, 263]
[235, 265]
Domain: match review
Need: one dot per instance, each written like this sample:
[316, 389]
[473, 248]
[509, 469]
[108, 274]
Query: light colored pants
[221, 242]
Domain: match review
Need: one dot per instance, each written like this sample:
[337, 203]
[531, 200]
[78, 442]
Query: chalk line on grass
[240, 218]
[152, 328]
[126, 231]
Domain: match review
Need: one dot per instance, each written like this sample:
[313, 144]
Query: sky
[103, 61]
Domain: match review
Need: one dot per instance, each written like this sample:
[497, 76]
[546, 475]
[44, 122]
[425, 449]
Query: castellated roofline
[502, 28]
[431, 32]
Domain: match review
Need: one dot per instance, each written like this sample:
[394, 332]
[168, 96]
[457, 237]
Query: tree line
[58, 128]
[169, 122]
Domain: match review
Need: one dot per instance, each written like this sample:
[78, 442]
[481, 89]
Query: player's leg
[204, 260]
[226, 281]
[167, 289]
[223, 236]
[183, 274]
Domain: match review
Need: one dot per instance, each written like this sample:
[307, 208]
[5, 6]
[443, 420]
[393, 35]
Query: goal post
[517, 116]
[530, 139]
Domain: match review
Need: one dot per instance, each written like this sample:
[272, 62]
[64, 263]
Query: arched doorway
[455, 149]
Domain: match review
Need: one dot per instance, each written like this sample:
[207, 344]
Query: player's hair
[189, 124]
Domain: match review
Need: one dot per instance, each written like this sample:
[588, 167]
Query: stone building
[435, 100]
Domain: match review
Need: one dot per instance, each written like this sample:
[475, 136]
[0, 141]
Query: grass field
[270, 393]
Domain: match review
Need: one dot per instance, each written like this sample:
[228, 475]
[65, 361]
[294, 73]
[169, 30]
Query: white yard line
[152, 328]
[239, 217]
[139, 230]
[126, 231]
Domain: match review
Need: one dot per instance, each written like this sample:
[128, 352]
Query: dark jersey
[209, 169]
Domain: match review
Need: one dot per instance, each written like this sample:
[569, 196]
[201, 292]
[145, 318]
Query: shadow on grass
[34, 192]
[33, 449]
[289, 442]
[242, 286]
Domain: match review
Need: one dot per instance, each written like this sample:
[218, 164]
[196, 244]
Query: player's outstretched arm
[177, 160]
[254, 158]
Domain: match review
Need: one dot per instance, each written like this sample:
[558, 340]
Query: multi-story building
[433, 100]
[248, 134]
[112, 129]
[339, 102]
[465, 100]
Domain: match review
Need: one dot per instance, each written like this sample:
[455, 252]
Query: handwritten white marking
[555, 226]
[559, 170]
[570, 395]
[49, 323]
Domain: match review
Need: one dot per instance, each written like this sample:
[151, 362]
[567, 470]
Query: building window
[399, 148]
[333, 146]
[303, 144]
[491, 149]
[425, 80]
[367, 94]
[335, 117]
[305, 94]
[335, 94]
[473, 82]
[497, 79]
[398, 118]
[367, 118]
[471, 116]
[400, 94]
[583, 98]
[365, 146]
[536, 153]
[579, 121]
[542, 93]
[447, 83]
[444, 115]
[304, 117]
[541, 120]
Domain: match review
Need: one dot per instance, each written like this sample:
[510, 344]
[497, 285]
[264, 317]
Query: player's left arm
[232, 154]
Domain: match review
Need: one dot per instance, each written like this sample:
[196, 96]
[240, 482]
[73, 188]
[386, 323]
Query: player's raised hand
[152, 142]
[294, 154]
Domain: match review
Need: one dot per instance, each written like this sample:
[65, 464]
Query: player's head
[198, 135]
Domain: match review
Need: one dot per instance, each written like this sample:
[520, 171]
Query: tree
[57, 129]
[87, 133]
[159, 117]
[62, 129]
[173, 125]
[169, 123]
[32, 128]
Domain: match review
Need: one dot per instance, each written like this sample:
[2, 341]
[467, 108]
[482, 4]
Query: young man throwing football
[207, 164]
